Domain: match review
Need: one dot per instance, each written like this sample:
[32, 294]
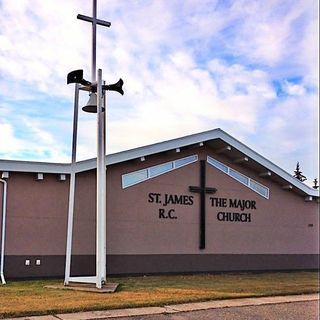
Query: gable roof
[216, 139]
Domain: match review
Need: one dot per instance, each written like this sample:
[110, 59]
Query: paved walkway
[302, 310]
[109, 314]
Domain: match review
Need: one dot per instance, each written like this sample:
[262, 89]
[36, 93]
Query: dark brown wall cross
[202, 190]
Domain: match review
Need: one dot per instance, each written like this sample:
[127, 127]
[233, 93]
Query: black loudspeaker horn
[115, 87]
[75, 76]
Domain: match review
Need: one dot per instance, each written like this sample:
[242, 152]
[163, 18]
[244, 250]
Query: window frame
[218, 166]
[148, 170]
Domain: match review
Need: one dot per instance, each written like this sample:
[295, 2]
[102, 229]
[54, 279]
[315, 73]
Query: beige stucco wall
[279, 225]
[37, 214]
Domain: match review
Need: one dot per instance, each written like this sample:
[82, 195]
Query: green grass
[26, 298]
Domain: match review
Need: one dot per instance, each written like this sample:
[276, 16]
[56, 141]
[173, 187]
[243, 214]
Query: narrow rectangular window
[264, 191]
[252, 184]
[134, 177]
[238, 176]
[182, 162]
[218, 164]
[161, 168]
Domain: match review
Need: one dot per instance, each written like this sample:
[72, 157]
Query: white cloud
[42, 43]
[41, 147]
[270, 31]
[8, 142]
[290, 134]
[293, 89]
[188, 66]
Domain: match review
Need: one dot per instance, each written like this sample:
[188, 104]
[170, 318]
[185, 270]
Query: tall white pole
[94, 42]
[101, 190]
[72, 186]
[104, 177]
[3, 233]
[100, 277]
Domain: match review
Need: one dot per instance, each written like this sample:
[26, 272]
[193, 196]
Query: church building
[200, 203]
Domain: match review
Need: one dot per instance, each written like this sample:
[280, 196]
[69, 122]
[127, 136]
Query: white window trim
[174, 167]
[249, 179]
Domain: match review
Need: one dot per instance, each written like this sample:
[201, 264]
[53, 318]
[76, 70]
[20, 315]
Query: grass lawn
[25, 298]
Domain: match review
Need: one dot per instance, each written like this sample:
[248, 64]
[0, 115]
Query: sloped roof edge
[26, 166]
[32, 166]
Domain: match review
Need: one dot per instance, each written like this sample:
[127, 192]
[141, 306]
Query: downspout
[3, 233]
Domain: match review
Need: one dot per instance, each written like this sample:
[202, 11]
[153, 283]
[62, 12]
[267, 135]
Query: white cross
[94, 22]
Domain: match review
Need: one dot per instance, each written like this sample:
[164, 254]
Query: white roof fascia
[26, 166]
[150, 149]
[267, 164]
[194, 139]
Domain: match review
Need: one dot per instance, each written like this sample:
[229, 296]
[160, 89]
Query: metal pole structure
[72, 186]
[100, 278]
[94, 42]
[104, 177]
[101, 167]
[101, 191]
[3, 233]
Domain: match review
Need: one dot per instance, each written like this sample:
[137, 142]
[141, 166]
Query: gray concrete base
[87, 287]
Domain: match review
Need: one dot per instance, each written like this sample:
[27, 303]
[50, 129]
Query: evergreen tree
[298, 173]
[315, 184]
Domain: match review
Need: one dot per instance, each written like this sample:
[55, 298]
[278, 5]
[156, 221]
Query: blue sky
[248, 67]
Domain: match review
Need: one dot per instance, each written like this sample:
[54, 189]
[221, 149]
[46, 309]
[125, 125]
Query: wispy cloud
[249, 67]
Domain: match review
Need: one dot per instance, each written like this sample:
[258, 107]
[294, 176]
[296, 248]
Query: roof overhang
[216, 139]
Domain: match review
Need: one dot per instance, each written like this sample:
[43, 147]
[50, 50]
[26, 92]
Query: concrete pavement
[170, 309]
[306, 310]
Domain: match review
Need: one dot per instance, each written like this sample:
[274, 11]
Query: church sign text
[239, 204]
[167, 200]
